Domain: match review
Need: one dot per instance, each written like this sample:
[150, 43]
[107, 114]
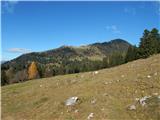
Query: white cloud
[19, 50]
[131, 11]
[113, 29]
[9, 6]
[158, 8]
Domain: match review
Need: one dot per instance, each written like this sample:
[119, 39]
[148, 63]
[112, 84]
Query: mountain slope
[98, 49]
[106, 93]
[64, 60]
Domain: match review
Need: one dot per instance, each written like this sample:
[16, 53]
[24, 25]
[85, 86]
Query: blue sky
[38, 26]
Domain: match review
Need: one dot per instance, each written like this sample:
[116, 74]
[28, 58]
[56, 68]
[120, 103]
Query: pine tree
[149, 43]
[3, 78]
[131, 54]
[32, 71]
[155, 37]
[143, 51]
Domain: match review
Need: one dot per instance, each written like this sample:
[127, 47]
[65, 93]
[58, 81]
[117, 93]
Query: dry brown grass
[114, 89]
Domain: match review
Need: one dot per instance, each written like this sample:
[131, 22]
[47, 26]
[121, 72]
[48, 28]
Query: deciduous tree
[32, 71]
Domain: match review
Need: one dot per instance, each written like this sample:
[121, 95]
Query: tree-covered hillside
[69, 59]
[65, 60]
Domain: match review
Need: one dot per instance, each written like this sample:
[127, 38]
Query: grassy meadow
[107, 94]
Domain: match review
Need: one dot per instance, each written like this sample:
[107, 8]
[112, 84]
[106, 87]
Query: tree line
[149, 45]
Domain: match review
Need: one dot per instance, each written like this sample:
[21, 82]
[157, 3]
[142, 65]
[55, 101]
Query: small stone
[155, 73]
[132, 107]
[148, 76]
[40, 85]
[142, 100]
[76, 111]
[137, 99]
[95, 72]
[106, 83]
[135, 91]
[93, 101]
[71, 101]
[90, 116]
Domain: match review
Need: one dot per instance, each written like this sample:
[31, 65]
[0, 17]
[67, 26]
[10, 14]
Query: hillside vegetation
[64, 60]
[107, 93]
[69, 59]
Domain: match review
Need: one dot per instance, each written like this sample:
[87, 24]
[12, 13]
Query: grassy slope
[44, 99]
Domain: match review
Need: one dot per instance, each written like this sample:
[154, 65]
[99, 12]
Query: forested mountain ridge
[69, 59]
[71, 52]
[65, 59]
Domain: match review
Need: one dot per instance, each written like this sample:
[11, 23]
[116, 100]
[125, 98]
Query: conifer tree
[149, 43]
[3, 78]
[131, 54]
[143, 51]
[155, 38]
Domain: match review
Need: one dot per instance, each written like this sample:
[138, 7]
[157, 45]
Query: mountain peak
[118, 41]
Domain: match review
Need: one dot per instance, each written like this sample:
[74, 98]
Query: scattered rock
[106, 83]
[118, 80]
[71, 101]
[132, 107]
[93, 101]
[96, 72]
[148, 76]
[155, 73]
[122, 76]
[90, 116]
[142, 101]
[76, 111]
[40, 85]
[137, 99]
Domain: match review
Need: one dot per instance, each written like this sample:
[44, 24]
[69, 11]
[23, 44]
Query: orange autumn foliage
[32, 71]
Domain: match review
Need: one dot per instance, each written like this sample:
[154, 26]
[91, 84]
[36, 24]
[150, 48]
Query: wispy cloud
[19, 50]
[157, 5]
[114, 29]
[131, 11]
[9, 6]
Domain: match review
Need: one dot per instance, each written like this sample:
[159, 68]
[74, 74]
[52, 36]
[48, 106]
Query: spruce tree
[131, 54]
[149, 43]
[143, 51]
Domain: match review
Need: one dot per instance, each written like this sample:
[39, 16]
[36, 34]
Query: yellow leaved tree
[32, 71]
